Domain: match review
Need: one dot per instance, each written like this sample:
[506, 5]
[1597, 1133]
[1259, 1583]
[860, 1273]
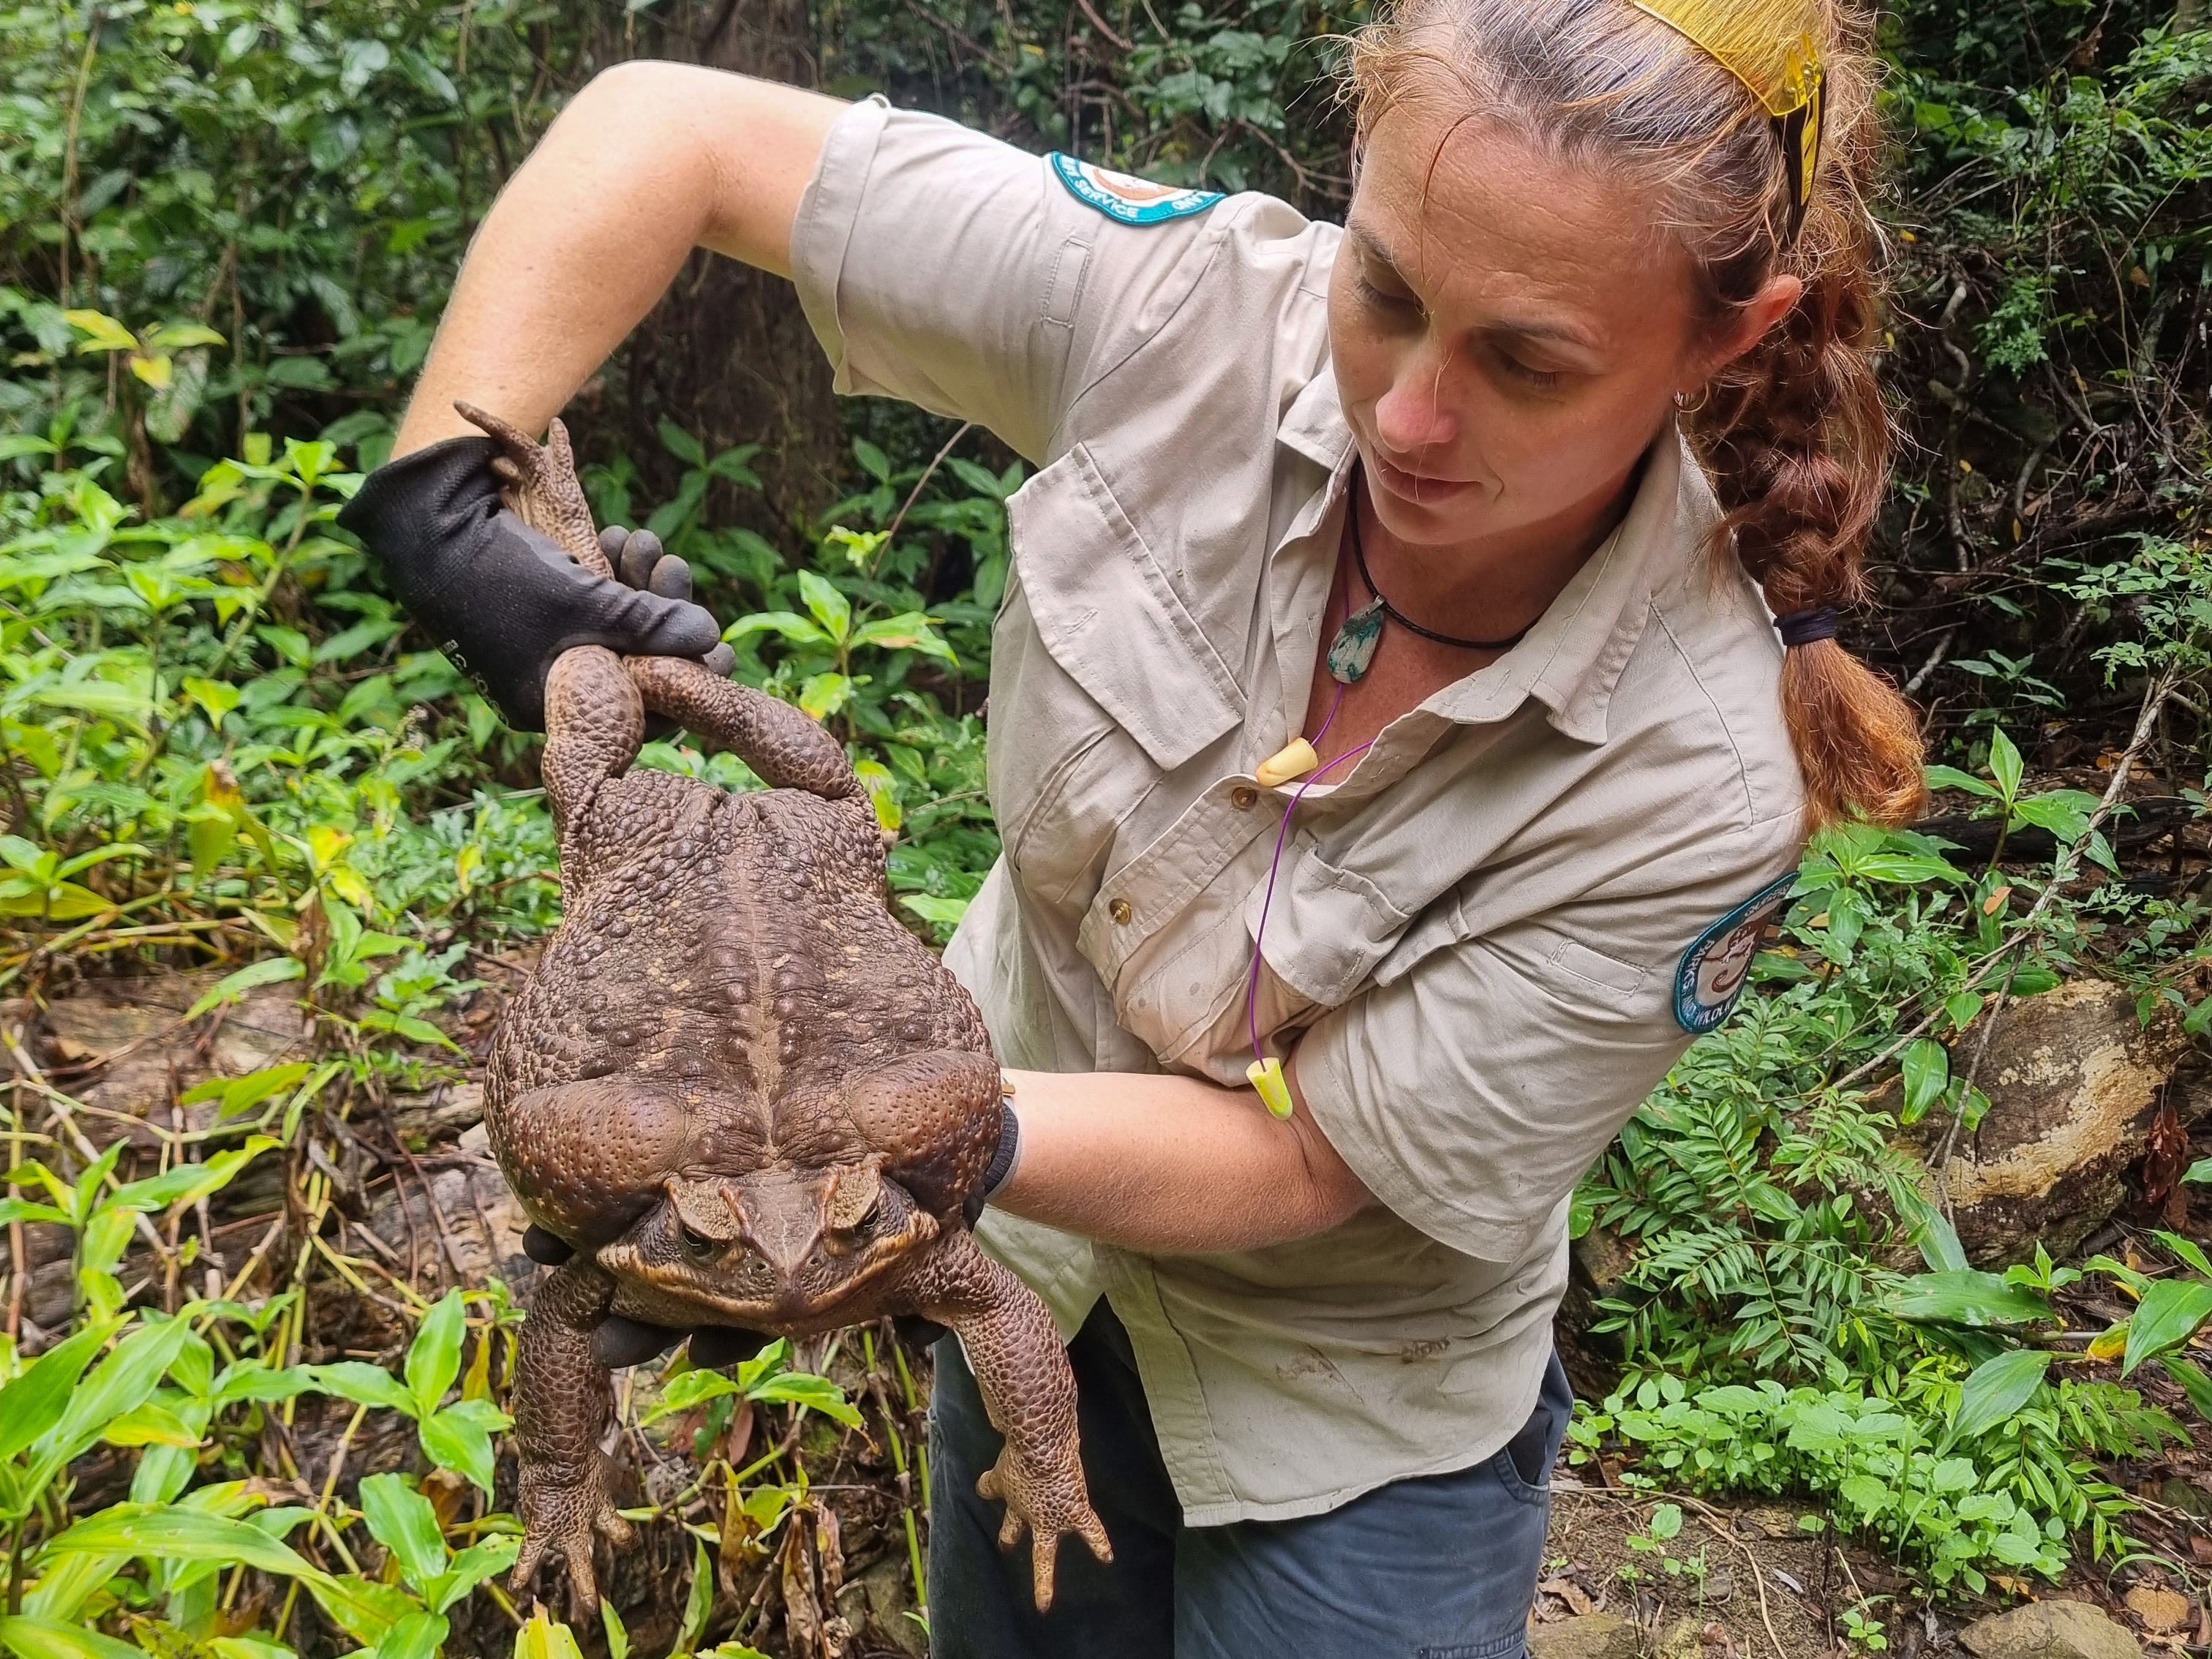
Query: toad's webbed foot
[1043, 1489]
[1022, 1371]
[563, 1403]
[566, 1511]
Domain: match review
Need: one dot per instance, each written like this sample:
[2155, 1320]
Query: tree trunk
[728, 354]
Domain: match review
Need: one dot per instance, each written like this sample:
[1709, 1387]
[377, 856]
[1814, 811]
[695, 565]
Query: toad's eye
[697, 1246]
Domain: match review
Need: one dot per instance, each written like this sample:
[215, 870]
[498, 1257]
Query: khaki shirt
[1478, 932]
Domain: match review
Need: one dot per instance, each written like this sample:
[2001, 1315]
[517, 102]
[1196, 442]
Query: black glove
[503, 601]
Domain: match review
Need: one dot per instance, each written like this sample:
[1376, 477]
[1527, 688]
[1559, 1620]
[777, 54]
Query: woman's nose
[1414, 414]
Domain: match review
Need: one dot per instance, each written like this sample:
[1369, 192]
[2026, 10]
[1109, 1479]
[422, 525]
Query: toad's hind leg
[594, 725]
[786, 748]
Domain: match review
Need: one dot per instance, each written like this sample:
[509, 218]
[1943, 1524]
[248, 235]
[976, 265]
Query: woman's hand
[502, 600]
[1172, 1165]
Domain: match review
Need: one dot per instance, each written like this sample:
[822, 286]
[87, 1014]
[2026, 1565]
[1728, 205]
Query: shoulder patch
[1132, 200]
[1713, 970]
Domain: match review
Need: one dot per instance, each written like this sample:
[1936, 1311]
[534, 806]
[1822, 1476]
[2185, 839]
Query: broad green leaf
[2168, 1317]
[1949, 777]
[2200, 1172]
[883, 794]
[1666, 1520]
[22, 1209]
[458, 1439]
[2004, 763]
[63, 901]
[680, 444]
[830, 608]
[2194, 1383]
[789, 624]
[821, 696]
[617, 1633]
[542, 1638]
[944, 912]
[247, 1647]
[187, 1183]
[101, 331]
[471, 1567]
[29, 1638]
[361, 1609]
[149, 1423]
[872, 460]
[66, 1583]
[361, 62]
[697, 1603]
[1966, 1298]
[1864, 1493]
[910, 630]
[237, 1094]
[270, 970]
[433, 1358]
[401, 1519]
[817, 1394]
[181, 337]
[1927, 1073]
[178, 1534]
[1997, 1389]
[418, 1635]
[2186, 1249]
[217, 697]
[1932, 1231]
[33, 1402]
[364, 1385]
[120, 1384]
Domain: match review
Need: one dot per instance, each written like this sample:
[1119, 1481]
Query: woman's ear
[1753, 321]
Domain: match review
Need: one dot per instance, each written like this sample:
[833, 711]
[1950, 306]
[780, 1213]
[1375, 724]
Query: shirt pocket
[1105, 681]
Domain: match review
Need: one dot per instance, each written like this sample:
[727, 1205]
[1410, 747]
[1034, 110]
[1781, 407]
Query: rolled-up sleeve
[1471, 1093]
[941, 266]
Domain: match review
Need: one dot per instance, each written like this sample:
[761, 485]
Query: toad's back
[736, 949]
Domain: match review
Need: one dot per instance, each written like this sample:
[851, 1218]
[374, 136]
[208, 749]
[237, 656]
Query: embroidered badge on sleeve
[1713, 970]
[1132, 200]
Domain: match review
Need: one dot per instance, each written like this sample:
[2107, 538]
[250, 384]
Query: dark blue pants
[1437, 1567]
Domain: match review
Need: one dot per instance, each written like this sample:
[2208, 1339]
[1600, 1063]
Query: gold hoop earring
[1683, 403]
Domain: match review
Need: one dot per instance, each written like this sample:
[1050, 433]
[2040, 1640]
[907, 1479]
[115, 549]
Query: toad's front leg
[563, 1399]
[1022, 1370]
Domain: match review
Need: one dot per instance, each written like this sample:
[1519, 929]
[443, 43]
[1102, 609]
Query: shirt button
[1243, 798]
[1119, 909]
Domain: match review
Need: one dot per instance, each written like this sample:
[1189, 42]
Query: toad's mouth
[800, 1294]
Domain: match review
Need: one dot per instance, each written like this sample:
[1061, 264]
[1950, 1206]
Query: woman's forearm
[649, 161]
[1170, 1165]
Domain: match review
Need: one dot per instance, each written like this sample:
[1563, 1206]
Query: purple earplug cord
[1252, 985]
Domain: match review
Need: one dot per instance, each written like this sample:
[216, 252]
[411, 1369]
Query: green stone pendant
[1351, 652]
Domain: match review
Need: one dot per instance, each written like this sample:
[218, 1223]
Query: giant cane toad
[740, 1090]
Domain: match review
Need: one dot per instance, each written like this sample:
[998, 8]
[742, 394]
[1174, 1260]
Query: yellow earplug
[1266, 1076]
[1293, 760]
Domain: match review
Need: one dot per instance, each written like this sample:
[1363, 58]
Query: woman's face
[1508, 332]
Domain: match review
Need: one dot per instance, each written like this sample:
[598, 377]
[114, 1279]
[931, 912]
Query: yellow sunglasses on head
[1772, 46]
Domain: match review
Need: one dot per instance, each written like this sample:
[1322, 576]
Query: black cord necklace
[1351, 652]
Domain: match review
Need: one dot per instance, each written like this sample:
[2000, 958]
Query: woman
[1388, 729]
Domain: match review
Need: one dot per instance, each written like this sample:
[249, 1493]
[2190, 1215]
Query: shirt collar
[1573, 656]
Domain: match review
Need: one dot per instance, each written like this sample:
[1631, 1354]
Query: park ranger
[1415, 684]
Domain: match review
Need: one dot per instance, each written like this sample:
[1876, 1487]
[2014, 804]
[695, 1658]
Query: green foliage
[1978, 1493]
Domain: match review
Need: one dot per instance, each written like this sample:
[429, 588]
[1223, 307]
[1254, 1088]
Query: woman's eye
[1382, 299]
[697, 1246]
[1538, 380]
